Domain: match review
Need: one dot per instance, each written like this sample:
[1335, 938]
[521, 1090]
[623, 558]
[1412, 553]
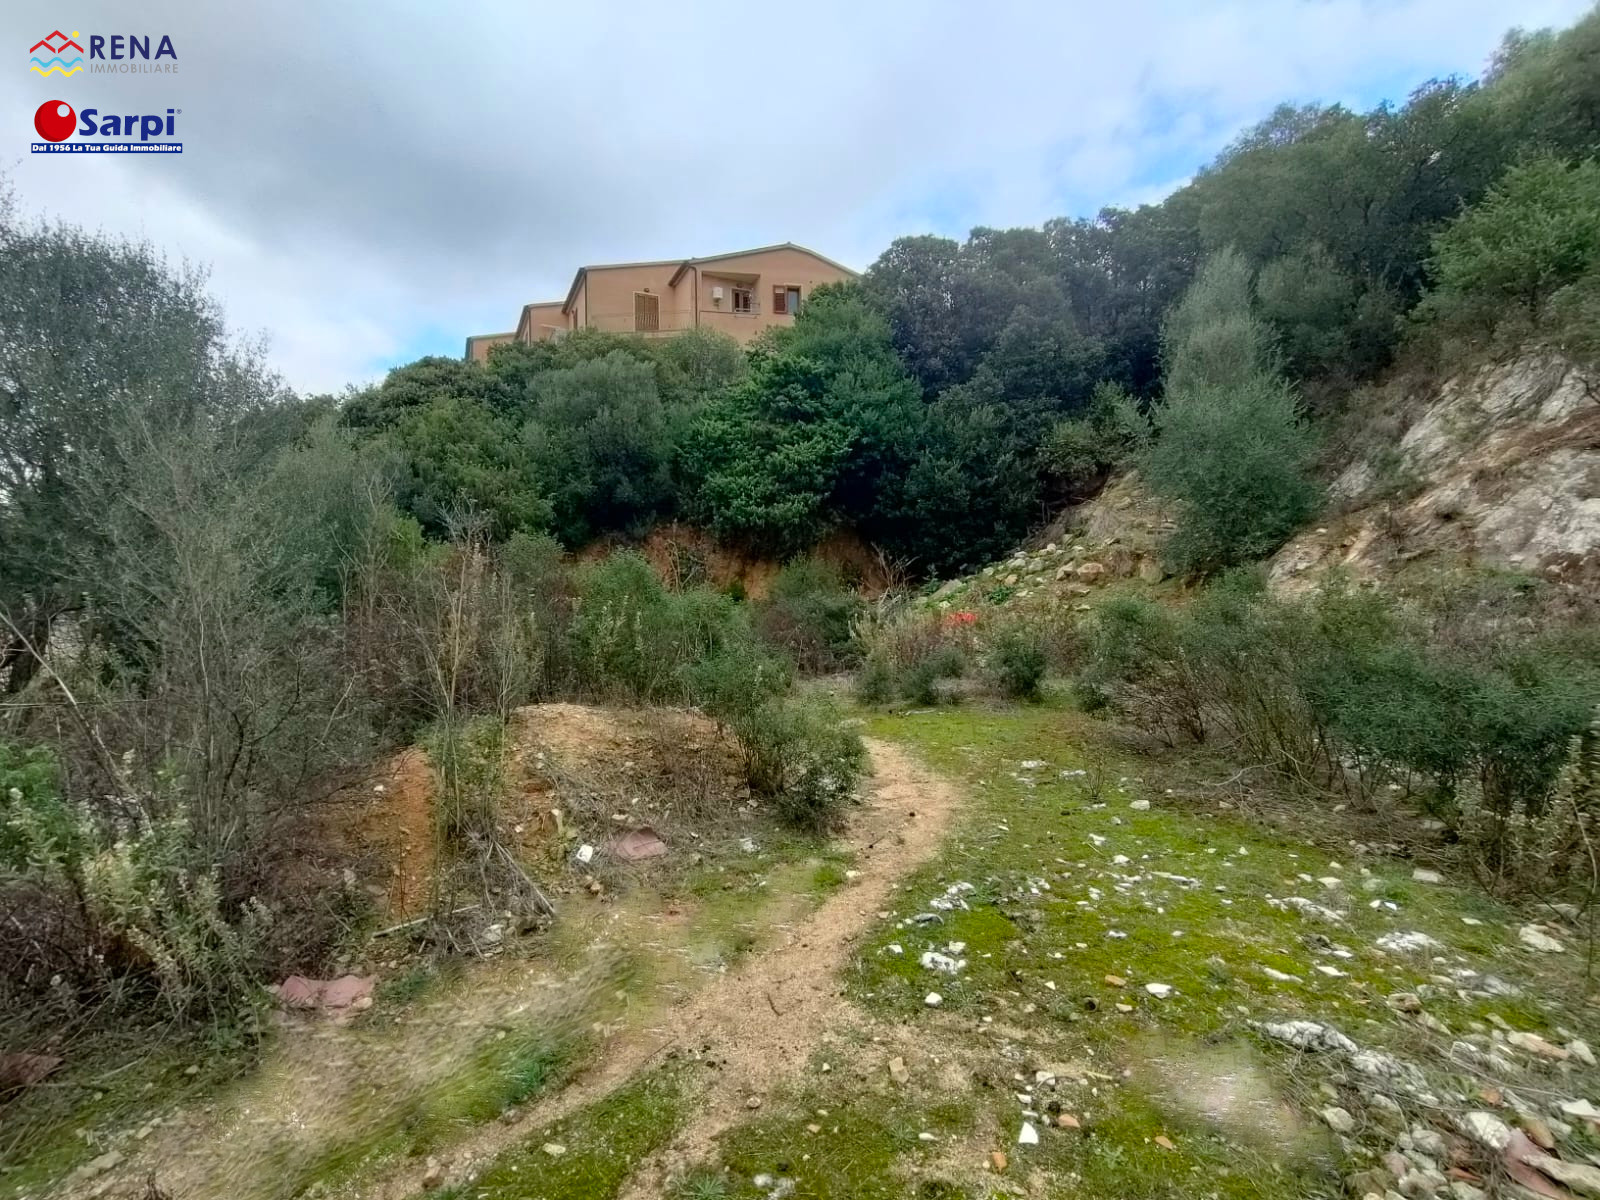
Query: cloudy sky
[372, 182]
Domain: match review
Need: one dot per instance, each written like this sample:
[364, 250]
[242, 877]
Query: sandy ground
[762, 1021]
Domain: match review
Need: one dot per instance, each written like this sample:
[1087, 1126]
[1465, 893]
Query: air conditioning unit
[716, 295]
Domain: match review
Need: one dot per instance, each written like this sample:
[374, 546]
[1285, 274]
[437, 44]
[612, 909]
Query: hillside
[1499, 466]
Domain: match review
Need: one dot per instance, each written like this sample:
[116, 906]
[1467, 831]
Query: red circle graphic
[55, 120]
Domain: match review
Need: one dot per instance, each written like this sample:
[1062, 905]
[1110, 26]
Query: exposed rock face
[1505, 464]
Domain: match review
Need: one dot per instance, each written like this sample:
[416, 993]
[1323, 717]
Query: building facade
[740, 294]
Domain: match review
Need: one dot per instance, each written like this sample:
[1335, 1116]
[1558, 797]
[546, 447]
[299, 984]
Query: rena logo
[55, 120]
[56, 46]
[109, 54]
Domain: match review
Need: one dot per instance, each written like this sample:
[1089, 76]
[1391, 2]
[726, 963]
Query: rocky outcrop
[1499, 467]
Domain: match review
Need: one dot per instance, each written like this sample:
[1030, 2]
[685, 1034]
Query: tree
[460, 456]
[967, 495]
[95, 332]
[1537, 231]
[1213, 339]
[813, 437]
[416, 385]
[1327, 323]
[598, 434]
[1231, 448]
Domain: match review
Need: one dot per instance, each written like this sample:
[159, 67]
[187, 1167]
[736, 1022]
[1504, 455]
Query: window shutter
[780, 300]
[646, 312]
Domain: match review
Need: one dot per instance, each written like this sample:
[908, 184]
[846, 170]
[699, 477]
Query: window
[743, 300]
[785, 299]
[646, 312]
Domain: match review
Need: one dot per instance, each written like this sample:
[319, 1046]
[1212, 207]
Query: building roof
[709, 258]
[683, 264]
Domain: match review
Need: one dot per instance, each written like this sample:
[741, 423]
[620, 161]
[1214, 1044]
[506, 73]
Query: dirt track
[762, 1021]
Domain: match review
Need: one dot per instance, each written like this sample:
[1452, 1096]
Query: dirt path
[762, 1021]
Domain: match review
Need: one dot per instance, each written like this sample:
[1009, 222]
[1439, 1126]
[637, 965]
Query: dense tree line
[944, 403]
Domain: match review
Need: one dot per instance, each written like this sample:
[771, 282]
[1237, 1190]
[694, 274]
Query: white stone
[1159, 990]
[1407, 943]
[1486, 1129]
[1422, 875]
[1535, 938]
[933, 999]
[1027, 1135]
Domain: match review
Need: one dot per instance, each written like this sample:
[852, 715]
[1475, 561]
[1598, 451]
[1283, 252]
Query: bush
[736, 681]
[1534, 233]
[1539, 852]
[631, 637]
[910, 650]
[804, 757]
[919, 683]
[468, 756]
[810, 616]
[123, 911]
[876, 681]
[1351, 689]
[1081, 451]
[1015, 660]
[798, 754]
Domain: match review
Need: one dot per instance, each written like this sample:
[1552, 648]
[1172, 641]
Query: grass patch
[832, 1146]
[1061, 882]
[108, 1083]
[601, 1146]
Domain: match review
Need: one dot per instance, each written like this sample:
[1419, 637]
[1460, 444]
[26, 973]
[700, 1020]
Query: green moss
[862, 1148]
[117, 1079]
[1051, 912]
[602, 1145]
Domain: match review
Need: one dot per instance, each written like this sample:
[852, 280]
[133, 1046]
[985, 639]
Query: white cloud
[363, 177]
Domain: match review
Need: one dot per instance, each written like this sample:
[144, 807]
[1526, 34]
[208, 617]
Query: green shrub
[164, 909]
[631, 637]
[1137, 661]
[132, 910]
[1015, 660]
[468, 756]
[1350, 687]
[875, 682]
[1080, 451]
[736, 680]
[912, 649]
[1534, 233]
[919, 682]
[810, 615]
[803, 756]
[37, 829]
[1237, 462]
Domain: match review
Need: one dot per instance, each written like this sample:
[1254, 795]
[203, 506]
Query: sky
[372, 182]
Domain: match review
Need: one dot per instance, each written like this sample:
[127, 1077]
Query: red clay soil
[684, 555]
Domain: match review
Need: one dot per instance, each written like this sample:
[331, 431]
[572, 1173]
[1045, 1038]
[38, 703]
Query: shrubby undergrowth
[1471, 712]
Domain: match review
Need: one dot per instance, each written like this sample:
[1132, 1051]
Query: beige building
[740, 293]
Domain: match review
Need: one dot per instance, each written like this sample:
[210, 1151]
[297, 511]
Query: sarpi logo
[56, 121]
[55, 47]
[109, 54]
